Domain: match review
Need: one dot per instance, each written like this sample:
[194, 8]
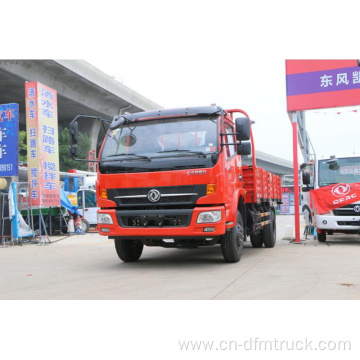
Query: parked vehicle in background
[79, 187]
[324, 172]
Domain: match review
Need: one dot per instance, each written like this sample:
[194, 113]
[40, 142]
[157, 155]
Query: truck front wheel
[321, 236]
[129, 250]
[232, 242]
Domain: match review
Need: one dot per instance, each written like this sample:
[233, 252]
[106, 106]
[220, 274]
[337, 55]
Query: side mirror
[244, 148]
[74, 135]
[242, 129]
[73, 151]
[306, 178]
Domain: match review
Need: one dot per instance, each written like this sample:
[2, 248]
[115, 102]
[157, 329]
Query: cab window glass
[80, 197]
[90, 199]
[229, 139]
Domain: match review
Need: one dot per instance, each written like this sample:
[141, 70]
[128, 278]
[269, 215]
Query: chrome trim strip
[185, 194]
[145, 196]
[132, 196]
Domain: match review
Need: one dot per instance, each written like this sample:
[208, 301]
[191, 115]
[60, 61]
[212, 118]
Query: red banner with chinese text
[334, 196]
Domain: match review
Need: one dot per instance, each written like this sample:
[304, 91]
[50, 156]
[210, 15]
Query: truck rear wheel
[232, 242]
[321, 236]
[256, 239]
[269, 232]
[129, 250]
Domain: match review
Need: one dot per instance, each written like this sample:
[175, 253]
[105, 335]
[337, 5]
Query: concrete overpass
[84, 89]
[275, 165]
[81, 88]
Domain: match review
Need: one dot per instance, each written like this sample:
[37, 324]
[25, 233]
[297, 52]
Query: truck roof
[189, 111]
[339, 157]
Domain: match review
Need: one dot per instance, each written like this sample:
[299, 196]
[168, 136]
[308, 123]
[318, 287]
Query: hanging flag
[42, 143]
[9, 143]
[332, 197]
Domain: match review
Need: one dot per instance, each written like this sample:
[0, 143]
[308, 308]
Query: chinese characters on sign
[92, 156]
[350, 170]
[42, 142]
[340, 78]
[9, 144]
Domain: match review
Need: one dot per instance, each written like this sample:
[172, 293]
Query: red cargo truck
[174, 178]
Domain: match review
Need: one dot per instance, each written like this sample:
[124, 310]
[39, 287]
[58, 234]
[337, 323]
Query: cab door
[88, 206]
[231, 166]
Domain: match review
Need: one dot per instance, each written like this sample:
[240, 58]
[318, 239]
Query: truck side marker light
[210, 189]
[103, 194]
[105, 230]
[209, 229]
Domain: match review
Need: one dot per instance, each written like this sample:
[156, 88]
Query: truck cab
[329, 171]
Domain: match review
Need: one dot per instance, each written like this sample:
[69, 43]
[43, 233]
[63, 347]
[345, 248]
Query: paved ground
[87, 267]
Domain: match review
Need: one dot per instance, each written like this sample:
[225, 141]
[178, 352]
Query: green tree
[22, 146]
[66, 162]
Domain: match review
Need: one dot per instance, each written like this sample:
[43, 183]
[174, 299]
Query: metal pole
[296, 176]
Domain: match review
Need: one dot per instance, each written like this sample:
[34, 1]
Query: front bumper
[122, 227]
[337, 223]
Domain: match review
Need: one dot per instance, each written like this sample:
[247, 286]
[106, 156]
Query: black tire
[269, 232]
[85, 225]
[232, 242]
[321, 236]
[129, 250]
[307, 213]
[256, 239]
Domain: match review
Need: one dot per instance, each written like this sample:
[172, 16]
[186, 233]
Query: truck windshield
[341, 170]
[161, 143]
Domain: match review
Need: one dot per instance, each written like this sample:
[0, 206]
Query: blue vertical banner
[9, 140]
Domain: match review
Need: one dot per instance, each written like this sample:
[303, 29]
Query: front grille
[347, 210]
[169, 195]
[164, 200]
[154, 218]
[348, 223]
[154, 221]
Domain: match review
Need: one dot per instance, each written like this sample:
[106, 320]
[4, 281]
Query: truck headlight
[209, 217]
[104, 219]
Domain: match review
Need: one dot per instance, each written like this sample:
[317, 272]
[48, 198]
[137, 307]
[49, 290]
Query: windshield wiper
[136, 156]
[185, 151]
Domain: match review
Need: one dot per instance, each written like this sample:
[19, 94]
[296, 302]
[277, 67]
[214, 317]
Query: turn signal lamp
[210, 189]
[103, 194]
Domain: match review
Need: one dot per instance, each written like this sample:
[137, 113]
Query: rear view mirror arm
[73, 130]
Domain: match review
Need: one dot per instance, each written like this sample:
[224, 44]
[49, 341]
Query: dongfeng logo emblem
[340, 190]
[357, 208]
[154, 195]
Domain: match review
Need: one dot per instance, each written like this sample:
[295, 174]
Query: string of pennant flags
[334, 113]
